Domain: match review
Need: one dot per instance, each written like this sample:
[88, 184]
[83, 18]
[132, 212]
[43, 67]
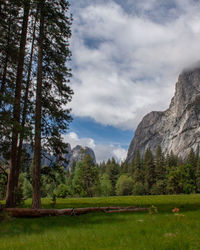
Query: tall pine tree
[10, 198]
[53, 93]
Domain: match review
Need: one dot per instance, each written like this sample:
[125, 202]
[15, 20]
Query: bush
[62, 191]
[124, 185]
[27, 189]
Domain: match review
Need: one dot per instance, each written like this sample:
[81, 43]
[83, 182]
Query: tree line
[147, 175]
[34, 87]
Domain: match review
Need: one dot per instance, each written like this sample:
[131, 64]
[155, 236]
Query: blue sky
[101, 133]
[126, 57]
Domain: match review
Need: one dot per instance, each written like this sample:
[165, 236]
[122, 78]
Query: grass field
[164, 230]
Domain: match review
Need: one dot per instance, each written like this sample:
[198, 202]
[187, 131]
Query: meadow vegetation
[141, 230]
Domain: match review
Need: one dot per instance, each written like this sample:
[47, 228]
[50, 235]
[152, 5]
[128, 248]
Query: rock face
[78, 153]
[178, 128]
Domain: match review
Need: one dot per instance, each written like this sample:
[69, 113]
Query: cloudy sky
[127, 55]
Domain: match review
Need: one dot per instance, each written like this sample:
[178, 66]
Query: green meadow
[141, 230]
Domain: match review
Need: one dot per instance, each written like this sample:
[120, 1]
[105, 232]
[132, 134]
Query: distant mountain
[178, 128]
[74, 155]
[78, 153]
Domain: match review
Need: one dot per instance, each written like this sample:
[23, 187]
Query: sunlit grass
[110, 231]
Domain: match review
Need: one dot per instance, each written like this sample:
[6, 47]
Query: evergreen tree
[138, 175]
[53, 94]
[197, 177]
[28, 74]
[192, 162]
[149, 171]
[126, 167]
[85, 182]
[10, 199]
[26, 125]
[36, 197]
[9, 43]
[171, 160]
[179, 181]
[160, 172]
[113, 170]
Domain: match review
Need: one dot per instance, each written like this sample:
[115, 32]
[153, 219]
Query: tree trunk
[10, 197]
[24, 113]
[36, 197]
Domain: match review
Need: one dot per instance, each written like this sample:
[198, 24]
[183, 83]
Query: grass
[109, 231]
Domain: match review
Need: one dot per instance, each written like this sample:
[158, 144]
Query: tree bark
[36, 197]
[10, 197]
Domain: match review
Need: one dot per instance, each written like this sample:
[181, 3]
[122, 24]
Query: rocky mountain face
[74, 155]
[78, 154]
[178, 128]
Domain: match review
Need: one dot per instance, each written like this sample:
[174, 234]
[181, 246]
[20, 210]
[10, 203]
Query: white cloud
[126, 65]
[102, 152]
[73, 139]
[120, 153]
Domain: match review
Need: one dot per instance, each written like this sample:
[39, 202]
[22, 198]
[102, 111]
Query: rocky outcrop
[78, 154]
[178, 128]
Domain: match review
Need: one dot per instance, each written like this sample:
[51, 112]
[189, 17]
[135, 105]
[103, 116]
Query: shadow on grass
[28, 226]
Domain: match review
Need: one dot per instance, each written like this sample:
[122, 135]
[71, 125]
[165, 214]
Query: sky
[126, 58]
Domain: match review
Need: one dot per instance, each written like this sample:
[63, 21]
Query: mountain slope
[178, 128]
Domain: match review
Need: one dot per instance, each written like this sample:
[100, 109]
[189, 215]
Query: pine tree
[86, 179]
[171, 160]
[113, 170]
[10, 199]
[36, 198]
[149, 170]
[9, 43]
[26, 127]
[138, 175]
[197, 177]
[53, 94]
[160, 172]
[192, 161]
[21, 66]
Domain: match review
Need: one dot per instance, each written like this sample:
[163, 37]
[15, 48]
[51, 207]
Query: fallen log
[29, 212]
[128, 210]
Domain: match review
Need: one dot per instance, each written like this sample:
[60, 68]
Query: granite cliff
[78, 154]
[178, 128]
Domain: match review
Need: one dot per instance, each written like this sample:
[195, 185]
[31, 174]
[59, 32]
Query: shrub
[62, 191]
[27, 189]
[124, 185]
